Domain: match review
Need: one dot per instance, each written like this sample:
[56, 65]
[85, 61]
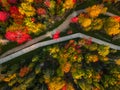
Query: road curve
[33, 44]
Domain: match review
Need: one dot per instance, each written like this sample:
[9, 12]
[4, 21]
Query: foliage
[72, 65]
[62, 66]
[34, 15]
[111, 26]
[92, 20]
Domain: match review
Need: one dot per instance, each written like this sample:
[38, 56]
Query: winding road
[33, 44]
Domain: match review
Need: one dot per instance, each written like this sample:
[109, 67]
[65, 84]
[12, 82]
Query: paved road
[30, 46]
